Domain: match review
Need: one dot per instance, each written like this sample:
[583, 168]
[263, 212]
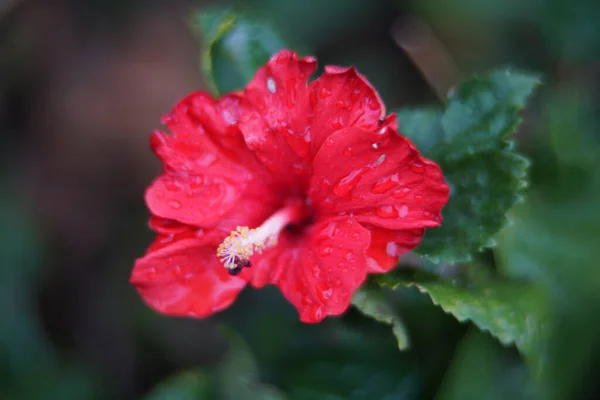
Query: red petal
[208, 167]
[319, 272]
[167, 226]
[285, 122]
[380, 178]
[273, 121]
[342, 98]
[387, 246]
[182, 276]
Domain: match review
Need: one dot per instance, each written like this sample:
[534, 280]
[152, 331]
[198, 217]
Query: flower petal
[273, 121]
[249, 211]
[380, 178]
[319, 272]
[285, 122]
[167, 227]
[208, 167]
[387, 246]
[342, 98]
[181, 276]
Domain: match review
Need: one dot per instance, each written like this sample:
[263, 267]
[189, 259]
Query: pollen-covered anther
[236, 249]
[241, 244]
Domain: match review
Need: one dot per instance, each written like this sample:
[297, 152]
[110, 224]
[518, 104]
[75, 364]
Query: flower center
[237, 248]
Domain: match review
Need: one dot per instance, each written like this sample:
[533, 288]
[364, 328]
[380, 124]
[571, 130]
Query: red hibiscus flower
[307, 186]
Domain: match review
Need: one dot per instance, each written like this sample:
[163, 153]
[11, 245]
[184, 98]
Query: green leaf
[482, 112]
[485, 175]
[234, 47]
[237, 375]
[372, 303]
[514, 313]
[422, 126]
[188, 385]
[483, 189]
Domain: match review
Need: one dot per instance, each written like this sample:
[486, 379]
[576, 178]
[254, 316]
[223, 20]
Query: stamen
[241, 244]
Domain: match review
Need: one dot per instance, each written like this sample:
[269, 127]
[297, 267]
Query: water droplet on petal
[349, 182]
[383, 185]
[325, 251]
[403, 211]
[173, 185]
[271, 85]
[375, 146]
[339, 104]
[196, 181]
[324, 291]
[349, 257]
[417, 168]
[400, 193]
[337, 282]
[306, 300]
[298, 168]
[418, 197]
[329, 142]
[175, 204]
[317, 313]
[348, 151]
[337, 124]
[316, 271]
[206, 160]
[324, 93]
[387, 212]
[391, 249]
[373, 104]
[379, 161]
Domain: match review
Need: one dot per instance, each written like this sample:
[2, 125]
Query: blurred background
[84, 82]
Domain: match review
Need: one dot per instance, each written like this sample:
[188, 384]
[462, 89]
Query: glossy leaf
[482, 112]
[485, 175]
[514, 313]
[234, 47]
[372, 303]
[483, 189]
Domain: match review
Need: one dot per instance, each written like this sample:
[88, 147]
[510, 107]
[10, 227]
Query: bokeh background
[84, 82]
